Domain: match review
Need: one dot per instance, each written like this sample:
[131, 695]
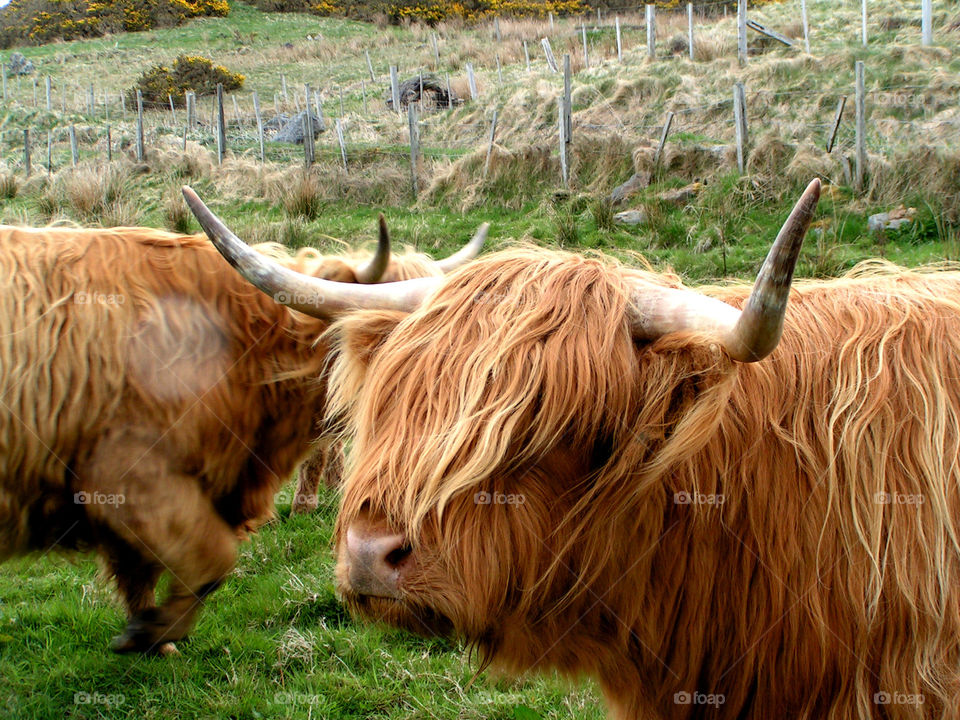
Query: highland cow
[152, 404]
[715, 503]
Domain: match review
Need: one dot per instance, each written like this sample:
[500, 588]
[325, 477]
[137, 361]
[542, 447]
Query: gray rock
[631, 217]
[636, 183]
[19, 65]
[292, 131]
[892, 220]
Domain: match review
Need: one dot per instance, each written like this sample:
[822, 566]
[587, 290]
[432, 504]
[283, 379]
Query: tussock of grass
[303, 198]
[9, 186]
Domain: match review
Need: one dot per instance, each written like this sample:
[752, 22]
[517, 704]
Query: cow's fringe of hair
[818, 563]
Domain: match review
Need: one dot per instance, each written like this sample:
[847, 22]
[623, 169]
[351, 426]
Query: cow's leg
[165, 518]
[326, 462]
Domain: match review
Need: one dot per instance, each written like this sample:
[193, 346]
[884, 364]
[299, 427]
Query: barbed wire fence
[49, 127]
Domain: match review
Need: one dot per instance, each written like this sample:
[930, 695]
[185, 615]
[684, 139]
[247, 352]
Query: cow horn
[374, 270]
[468, 252]
[320, 298]
[748, 335]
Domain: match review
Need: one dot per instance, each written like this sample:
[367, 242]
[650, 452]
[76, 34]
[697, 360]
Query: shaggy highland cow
[153, 402]
[716, 505]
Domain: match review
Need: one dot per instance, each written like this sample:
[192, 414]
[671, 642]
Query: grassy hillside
[273, 642]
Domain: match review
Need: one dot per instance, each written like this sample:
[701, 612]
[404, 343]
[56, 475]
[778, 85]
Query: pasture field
[273, 642]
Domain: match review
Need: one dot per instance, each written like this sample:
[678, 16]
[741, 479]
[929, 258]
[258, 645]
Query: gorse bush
[25, 22]
[188, 72]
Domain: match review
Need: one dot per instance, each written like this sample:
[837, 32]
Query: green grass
[273, 642]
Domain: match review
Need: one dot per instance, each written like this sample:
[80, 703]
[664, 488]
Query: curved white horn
[748, 335]
[374, 270]
[468, 252]
[320, 298]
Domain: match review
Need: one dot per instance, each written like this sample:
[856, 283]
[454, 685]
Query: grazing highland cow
[716, 505]
[153, 402]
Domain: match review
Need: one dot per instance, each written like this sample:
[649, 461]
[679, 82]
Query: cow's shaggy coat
[151, 403]
[707, 539]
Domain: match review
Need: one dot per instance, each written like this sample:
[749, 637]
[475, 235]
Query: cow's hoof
[167, 649]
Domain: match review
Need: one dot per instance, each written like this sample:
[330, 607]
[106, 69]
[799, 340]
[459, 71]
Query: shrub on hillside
[188, 72]
[25, 22]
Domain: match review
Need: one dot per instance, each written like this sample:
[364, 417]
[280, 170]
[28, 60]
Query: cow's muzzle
[374, 559]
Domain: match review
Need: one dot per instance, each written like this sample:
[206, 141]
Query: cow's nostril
[396, 557]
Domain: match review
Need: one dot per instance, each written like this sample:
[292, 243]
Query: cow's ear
[354, 341]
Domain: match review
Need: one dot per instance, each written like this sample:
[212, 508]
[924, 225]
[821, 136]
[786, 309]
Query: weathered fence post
[49, 103]
[221, 126]
[191, 109]
[926, 22]
[499, 76]
[309, 147]
[740, 125]
[472, 82]
[586, 56]
[394, 89]
[861, 102]
[526, 55]
[26, 151]
[109, 145]
[343, 147]
[663, 138]
[836, 122]
[616, 20]
[283, 89]
[496, 28]
[564, 176]
[414, 146]
[74, 150]
[690, 29]
[140, 147]
[373, 78]
[806, 26]
[567, 102]
[651, 31]
[256, 111]
[548, 52]
[742, 32]
[863, 22]
[49, 152]
[493, 135]
[173, 113]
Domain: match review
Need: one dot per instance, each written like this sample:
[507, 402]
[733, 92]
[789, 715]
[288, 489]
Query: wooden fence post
[740, 126]
[373, 78]
[806, 26]
[49, 103]
[690, 28]
[863, 22]
[343, 148]
[256, 111]
[173, 113]
[586, 55]
[663, 138]
[836, 122]
[496, 28]
[493, 135]
[436, 51]
[283, 89]
[109, 145]
[394, 89]
[309, 146]
[564, 172]
[26, 151]
[548, 52]
[742, 32]
[414, 146]
[74, 150]
[472, 82]
[221, 126]
[926, 22]
[619, 40]
[567, 103]
[526, 55]
[140, 148]
[49, 152]
[651, 31]
[861, 102]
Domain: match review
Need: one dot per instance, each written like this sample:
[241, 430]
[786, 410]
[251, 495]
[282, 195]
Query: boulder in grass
[292, 131]
[19, 65]
[434, 92]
